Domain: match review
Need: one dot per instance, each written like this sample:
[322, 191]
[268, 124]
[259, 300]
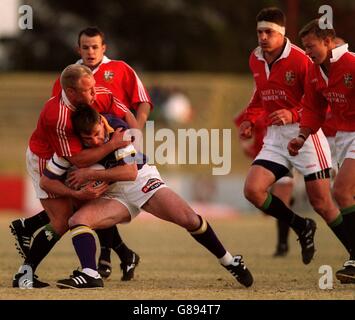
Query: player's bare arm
[143, 111]
[245, 130]
[131, 120]
[297, 143]
[88, 157]
[127, 172]
[60, 189]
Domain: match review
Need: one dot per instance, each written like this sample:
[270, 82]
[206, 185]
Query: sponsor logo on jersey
[290, 78]
[348, 80]
[108, 75]
[152, 184]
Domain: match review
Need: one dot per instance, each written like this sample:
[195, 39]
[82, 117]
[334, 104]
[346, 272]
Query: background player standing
[279, 69]
[330, 81]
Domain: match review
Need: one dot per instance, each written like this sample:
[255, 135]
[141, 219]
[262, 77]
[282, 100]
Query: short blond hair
[71, 75]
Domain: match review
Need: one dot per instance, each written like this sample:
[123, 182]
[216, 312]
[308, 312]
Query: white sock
[92, 273]
[227, 259]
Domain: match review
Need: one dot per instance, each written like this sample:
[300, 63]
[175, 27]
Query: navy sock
[206, 236]
[84, 243]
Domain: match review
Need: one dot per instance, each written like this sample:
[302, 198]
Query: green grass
[174, 266]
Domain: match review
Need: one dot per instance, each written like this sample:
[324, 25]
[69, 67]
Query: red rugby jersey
[54, 131]
[337, 90]
[282, 87]
[120, 79]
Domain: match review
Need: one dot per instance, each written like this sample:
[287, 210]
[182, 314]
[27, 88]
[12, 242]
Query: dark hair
[84, 118]
[314, 28]
[91, 32]
[272, 14]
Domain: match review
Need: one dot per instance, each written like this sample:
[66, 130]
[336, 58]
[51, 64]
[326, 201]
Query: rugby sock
[120, 247]
[42, 244]
[282, 232]
[349, 221]
[105, 238]
[205, 235]
[37, 221]
[85, 246]
[339, 228]
[273, 206]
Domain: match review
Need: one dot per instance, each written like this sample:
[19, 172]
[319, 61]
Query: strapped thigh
[277, 169]
[323, 174]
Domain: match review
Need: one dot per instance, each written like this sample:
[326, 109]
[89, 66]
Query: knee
[253, 194]
[74, 220]
[188, 220]
[60, 227]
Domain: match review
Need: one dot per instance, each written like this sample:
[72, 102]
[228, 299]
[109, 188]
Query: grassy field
[173, 266]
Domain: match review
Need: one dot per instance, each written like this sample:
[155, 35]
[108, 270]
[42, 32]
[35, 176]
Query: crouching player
[124, 200]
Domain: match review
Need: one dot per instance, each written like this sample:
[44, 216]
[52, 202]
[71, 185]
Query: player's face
[269, 40]
[317, 49]
[96, 138]
[91, 50]
[84, 91]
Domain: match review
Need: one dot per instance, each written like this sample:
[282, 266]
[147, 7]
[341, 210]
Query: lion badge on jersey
[348, 80]
[108, 76]
[290, 78]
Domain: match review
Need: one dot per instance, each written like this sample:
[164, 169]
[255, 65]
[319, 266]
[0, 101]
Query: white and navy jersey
[57, 167]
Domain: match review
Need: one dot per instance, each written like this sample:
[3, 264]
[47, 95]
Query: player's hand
[120, 139]
[281, 117]
[295, 145]
[245, 130]
[78, 177]
[90, 191]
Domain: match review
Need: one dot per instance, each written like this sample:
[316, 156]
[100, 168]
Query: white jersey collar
[66, 101]
[338, 52]
[104, 60]
[259, 52]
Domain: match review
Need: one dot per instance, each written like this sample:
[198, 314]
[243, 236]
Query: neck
[95, 66]
[326, 63]
[270, 57]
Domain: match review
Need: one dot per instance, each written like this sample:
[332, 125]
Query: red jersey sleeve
[314, 105]
[134, 87]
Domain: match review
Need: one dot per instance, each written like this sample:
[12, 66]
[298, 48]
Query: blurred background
[192, 56]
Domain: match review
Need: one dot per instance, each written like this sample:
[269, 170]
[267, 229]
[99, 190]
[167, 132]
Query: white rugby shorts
[134, 194]
[333, 152]
[313, 157]
[35, 167]
[345, 146]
